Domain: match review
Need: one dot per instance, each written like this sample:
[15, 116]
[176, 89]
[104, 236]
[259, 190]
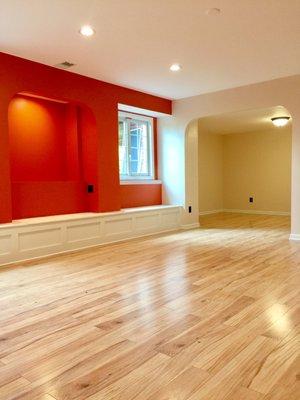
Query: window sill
[141, 182]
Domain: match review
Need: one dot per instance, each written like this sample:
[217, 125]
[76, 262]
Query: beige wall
[256, 164]
[178, 143]
[210, 172]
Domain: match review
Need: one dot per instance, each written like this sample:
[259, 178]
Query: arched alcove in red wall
[53, 156]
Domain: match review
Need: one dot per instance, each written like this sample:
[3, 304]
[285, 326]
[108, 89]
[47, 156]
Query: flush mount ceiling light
[280, 121]
[86, 30]
[175, 67]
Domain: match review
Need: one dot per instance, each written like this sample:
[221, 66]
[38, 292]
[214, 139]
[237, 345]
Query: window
[135, 147]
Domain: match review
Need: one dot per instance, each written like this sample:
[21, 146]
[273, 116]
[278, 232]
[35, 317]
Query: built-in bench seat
[29, 238]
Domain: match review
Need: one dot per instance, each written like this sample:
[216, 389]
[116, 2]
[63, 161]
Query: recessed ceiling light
[86, 30]
[175, 67]
[213, 11]
[280, 121]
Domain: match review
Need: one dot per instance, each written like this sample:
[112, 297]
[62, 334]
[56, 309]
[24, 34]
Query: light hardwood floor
[208, 314]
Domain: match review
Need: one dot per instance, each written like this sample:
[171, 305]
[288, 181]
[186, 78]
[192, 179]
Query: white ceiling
[137, 40]
[243, 121]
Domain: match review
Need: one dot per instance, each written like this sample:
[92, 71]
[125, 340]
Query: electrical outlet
[90, 188]
[250, 199]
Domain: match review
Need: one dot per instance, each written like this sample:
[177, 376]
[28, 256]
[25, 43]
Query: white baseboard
[210, 212]
[190, 226]
[228, 210]
[294, 236]
[40, 237]
[283, 213]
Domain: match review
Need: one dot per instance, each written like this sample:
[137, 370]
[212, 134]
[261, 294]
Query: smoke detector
[214, 12]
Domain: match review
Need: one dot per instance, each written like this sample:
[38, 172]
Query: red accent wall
[46, 158]
[90, 153]
[140, 195]
[96, 103]
[38, 150]
[34, 199]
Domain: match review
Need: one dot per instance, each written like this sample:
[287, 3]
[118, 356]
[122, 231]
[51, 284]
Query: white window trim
[141, 182]
[137, 178]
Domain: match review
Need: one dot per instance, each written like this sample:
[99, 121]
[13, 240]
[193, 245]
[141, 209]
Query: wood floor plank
[43, 397]
[275, 365]
[237, 372]
[183, 386]
[168, 372]
[92, 382]
[12, 389]
[133, 383]
[242, 393]
[284, 393]
[210, 313]
[66, 366]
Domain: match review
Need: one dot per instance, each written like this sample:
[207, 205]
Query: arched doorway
[193, 129]
[244, 164]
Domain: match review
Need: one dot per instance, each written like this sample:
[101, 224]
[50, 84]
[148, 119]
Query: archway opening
[244, 164]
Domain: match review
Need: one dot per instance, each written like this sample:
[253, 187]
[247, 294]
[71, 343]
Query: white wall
[210, 171]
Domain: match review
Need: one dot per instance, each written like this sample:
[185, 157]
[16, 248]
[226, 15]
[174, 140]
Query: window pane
[133, 140]
[134, 167]
[134, 154]
[123, 151]
[134, 147]
[139, 151]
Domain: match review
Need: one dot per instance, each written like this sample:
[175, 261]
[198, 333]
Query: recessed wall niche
[48, 156]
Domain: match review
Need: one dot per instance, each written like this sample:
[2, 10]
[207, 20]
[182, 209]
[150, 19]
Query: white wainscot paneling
[5, 245]
[145, 223]
[117, 226]
[170, 219]
[83, 231]
[37, 237]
